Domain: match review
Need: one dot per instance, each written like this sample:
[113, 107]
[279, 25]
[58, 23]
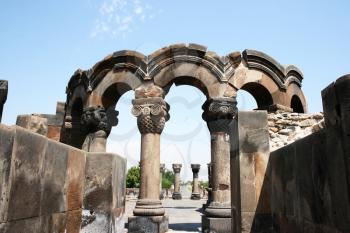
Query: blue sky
[42, 43]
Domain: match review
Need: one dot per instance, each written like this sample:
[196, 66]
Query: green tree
[167, 179]
[204, 184]
[133, 177]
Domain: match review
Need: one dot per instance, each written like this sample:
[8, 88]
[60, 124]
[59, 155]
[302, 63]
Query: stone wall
[47, 186]
[49, 125]
[287, 127]
[301, 187]
[249, 159]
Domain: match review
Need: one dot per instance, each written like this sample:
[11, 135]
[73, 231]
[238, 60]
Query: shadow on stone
[185, 226]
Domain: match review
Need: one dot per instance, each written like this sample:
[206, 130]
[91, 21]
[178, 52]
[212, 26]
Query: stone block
[34, 123]
[104, 195]
[257, 223]
[53, 179]
[217, 225]
[7, 135]
[195, 196]
[29, 225]
[75, 178]
[177, 196]
[27, 157]
[154, 224]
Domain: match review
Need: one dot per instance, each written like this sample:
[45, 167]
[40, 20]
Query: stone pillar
[219, 113]
[151, 113]
[177, 180]
[210, 198]
[195, 185]
[162, 169]
[98, 126]
[3, 95]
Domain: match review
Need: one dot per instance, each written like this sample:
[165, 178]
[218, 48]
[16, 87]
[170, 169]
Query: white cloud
[119, 17]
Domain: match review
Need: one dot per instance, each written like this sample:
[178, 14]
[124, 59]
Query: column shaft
[150, 166]
[195, 184]
[220, 160]
[177, 193]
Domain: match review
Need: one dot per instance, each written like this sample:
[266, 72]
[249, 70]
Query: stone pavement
[184, 215]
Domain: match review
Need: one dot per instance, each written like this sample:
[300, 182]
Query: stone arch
[260, 93]
[188, 65]
[296, 104]
[113, 85]
[114, 75]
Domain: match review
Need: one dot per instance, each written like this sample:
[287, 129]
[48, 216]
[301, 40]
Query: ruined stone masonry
[275, 169]
[285, 127]
[47, 186]
[301, 187]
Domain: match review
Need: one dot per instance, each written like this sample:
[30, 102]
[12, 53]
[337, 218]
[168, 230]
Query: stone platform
[184, 215]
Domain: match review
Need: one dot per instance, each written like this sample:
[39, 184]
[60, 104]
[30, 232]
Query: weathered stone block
[217, 225]
[53, 179]
[75, 178]
[104, 192]
[36, 124]
[27, 157]
[155, 224]
[7, 135]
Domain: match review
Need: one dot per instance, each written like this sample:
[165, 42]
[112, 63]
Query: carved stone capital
[96, 119]
[151, 113]
[219, 113]
[177, 167]
[195, 168]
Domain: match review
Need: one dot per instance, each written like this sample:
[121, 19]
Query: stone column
[162, 169]
[209, 187]
[219, 113]
[98, 126]
[3, 95]
[177, 180]
[151, 113]
[195, 185]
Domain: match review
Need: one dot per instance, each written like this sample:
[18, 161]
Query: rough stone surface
[217, 225]
[34, 123]
[42, 184]
[288, 127]
[307, 181]
[250, 155]
[154, 224]
[104, 195]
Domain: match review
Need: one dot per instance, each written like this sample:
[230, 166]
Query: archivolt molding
[281, 75]
[147, 68]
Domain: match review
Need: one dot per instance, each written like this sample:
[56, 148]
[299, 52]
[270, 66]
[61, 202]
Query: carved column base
[195, 196]
[147, 207]
[218, 210]
[217, 225]
[154, 224]
[177, 196]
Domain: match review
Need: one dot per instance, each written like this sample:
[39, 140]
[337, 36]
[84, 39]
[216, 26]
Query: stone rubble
[286, 127]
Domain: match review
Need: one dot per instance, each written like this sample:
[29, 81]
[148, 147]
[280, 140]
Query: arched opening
[261, 95]
[296, 104]
[124, 138]
[186, 140]
[245, 101]
[77, 132]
